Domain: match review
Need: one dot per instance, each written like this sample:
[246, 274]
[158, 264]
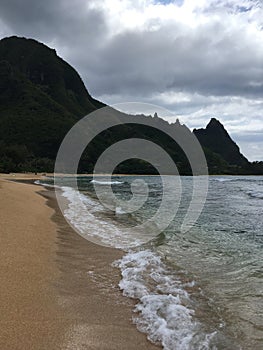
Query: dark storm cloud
[160, 61]
[71, 27]
[67, 23]
[211, 59]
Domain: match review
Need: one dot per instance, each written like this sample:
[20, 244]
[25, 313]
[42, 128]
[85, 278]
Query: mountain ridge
[42, 97]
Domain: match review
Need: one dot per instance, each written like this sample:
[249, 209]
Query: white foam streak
[82, 214]
[119, 211]
[166, 320]
[165, 309]
[38, 182]
[223, 179]
[106, 182]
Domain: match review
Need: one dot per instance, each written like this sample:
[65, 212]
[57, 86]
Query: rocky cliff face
[41, 66]
[216, 138]
[41, 97]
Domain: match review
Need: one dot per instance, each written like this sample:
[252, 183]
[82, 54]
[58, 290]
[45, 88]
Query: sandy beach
[57, 290]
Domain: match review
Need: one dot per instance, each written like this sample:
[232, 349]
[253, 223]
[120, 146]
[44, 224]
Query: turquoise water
[202, 289]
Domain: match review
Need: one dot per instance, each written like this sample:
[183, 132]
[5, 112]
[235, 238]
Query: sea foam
[165, 310]
[106, 182]
[86, 216]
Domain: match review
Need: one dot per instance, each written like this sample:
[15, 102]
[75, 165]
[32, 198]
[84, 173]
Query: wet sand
[57, 290]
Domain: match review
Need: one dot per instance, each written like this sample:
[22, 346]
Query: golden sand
[57, 291]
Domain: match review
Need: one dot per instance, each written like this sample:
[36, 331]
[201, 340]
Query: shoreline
[58, 291]
[31, 176]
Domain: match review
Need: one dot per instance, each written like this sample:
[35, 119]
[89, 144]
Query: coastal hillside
[42, 97]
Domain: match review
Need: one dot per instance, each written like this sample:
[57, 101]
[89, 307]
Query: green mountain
[215, 138]
[42, 97]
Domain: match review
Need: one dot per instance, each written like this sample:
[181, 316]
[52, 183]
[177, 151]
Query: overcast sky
[197, 58]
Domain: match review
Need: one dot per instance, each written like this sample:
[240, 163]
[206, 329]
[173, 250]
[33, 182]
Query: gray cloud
[252, 145]
[68, 24]
[209, 63]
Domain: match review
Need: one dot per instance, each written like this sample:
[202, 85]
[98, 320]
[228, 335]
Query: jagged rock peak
[214, 123]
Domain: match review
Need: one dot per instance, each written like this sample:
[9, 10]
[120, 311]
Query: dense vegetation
[42, 97]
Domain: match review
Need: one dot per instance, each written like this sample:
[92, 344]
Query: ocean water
[202, 289]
